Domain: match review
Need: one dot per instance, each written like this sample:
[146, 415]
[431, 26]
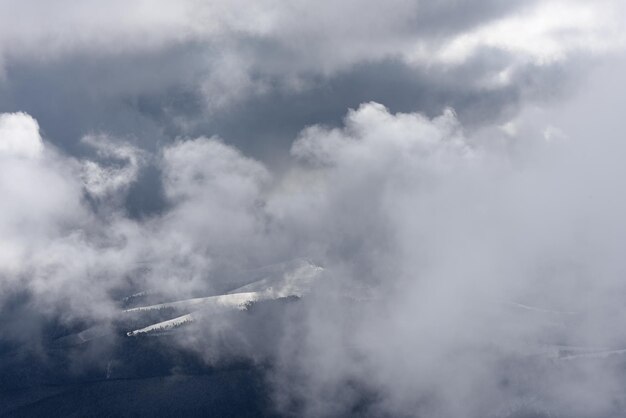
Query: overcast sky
[441, 159]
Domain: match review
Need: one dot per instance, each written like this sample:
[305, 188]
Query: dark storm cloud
[255, 79]
[152, 99]
[169, 89]
[85, 93]
[276, 117]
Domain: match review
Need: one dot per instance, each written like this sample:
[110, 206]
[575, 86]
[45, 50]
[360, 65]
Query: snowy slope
[287, 279]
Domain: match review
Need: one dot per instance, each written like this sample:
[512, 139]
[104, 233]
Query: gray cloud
[182, 71]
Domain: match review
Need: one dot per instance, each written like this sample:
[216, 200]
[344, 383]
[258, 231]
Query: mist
[462, 243]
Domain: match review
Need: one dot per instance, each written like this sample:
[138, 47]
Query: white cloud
[19, 136]
[38, 193]
[372, 134]
[445, 233]
[103, 181]
[547, 32]
[44, 30]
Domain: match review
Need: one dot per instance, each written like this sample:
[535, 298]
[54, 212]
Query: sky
[448, 163]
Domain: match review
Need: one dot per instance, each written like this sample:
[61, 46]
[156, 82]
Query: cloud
[432, 240]
[445, 235]
[471, 233]
[542, 34]
[101, 181]
[220, 59]
[20, 136]
[332, 42]
[65, 27]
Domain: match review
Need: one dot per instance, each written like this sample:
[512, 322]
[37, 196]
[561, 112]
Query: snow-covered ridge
[284, 280]
[162, 326]
[295, 279]
[237, 300]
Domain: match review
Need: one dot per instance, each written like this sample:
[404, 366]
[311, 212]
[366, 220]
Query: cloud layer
[430, 245]
[470, 226]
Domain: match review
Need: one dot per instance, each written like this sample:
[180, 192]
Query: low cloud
[464, 225]
[440, 255]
